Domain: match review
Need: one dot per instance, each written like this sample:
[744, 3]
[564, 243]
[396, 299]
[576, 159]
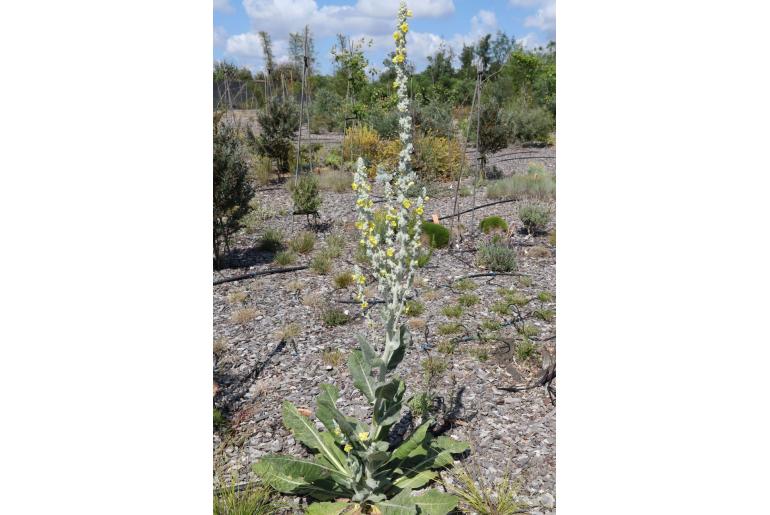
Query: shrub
[495, 129]
[434, 119]
[530, 124]
[436, 235]
[271, 241]
[436, 158]
[496, 257]
[494, 173]
[334, 317]
[326, 110]
[278, 123]
[303, 242]
[535, 217]
[285, 258]
[343, 280]
[321, 264]
[384, 122]
[534, 185]
[360, 141]
[493, 223]
[232, 192]
[304, 193]
[335, 180]
[414, 308]
[333, 158]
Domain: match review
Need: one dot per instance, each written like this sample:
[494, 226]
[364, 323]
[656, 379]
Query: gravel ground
[255, 369]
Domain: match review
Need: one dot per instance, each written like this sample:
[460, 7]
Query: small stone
[547, 500]
[276, 446]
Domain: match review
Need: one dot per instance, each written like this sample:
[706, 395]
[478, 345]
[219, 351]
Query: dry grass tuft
[288, 331]
[539, 251]
[417, 324]
[237, 297]
[332, 357]
[220, 346]
[243, 316]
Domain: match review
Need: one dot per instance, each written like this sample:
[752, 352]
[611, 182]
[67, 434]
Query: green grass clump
[467, 300]
[333, 317]
[334, 245]
[493, 223]
[480, 354]
[285, 258]
[321, 264]
[343, 280]
[303, 243]
[332, 357]
[219, 420]
[433, 367]
[528, 330]
[496, 257]
[546, 315]
[335, 180]
[541, 186]
[437, 235]
[477, 495]
[525, 281]
[465, 285]
[535, 217]
[423, 258]
[254, 499]
[420, 404]
[544, 296]
[449, 328]
[490, 325]
[446, 347]
[452, 311]
[525, 350]
[515, 298]
[414, 308]
[271, 241]
[501, 307]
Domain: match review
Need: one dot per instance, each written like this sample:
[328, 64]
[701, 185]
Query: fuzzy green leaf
[347, 426]
[412, 442]
[405, 338]
[362, 375]
[416, 481]
[368, 352]
[448, 444]
[434, 502]
[328, 508]
[304, 430]
[401, 504]
[330, 393]
[287, 474]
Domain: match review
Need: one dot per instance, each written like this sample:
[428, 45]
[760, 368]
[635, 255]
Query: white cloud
[422, 9]
[224, 6]
[485, 22]
[524, 3]
[244, 45]
[544, 19]
[220, 36]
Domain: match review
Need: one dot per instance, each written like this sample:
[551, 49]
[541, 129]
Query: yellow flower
[398, 59]
[404, 27]
[395, 84]
[338, 432]
[364, 305]
[408, 13]
[363, 436]
[360, 202]
[373, 241]
[361, 279]
[362, 242]
[395, 60]
[390, 252]
[397, 35]
[426, 197]
[419, 210]
[348, 447]
[406, 203]
[354, 186]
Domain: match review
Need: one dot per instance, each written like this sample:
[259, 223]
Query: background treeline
[519, 85]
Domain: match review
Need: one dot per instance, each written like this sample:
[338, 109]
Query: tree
[297, 51]
[278, 122]
[466, 61]
[502, 45]
[232, 191]
[483, 52]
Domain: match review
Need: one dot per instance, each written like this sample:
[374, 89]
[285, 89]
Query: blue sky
[435, 23]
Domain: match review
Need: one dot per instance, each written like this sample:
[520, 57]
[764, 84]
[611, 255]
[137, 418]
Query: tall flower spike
[391, 236]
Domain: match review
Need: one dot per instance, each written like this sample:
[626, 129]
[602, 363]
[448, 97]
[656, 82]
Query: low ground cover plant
[535, 217]
[493, 223]
[436, 235]
[496, 256]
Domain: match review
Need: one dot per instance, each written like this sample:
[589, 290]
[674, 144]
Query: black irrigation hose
[257, 274]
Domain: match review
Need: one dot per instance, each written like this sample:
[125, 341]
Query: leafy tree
[232, 191]
[278, 122]
[483, 49]
[466, 62]
[297, 51]
[502, 45]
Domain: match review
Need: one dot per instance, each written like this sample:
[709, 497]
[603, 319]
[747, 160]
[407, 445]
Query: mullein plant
[354, 468]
